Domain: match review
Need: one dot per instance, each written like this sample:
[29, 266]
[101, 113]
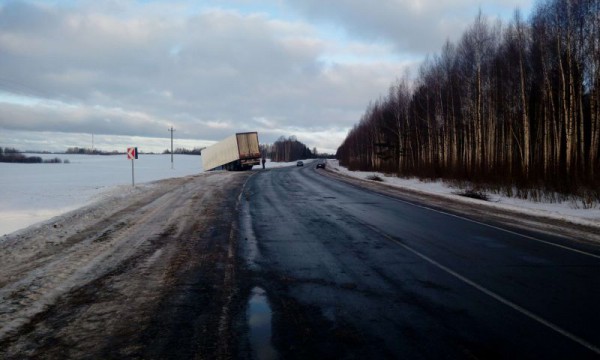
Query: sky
[119, 73]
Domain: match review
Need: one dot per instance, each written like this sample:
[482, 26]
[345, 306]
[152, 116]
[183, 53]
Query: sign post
[132, 153]
[171, 130]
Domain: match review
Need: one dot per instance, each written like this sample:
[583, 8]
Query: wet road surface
[350, 273]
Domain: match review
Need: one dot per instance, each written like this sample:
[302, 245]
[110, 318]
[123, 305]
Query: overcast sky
[127, 70]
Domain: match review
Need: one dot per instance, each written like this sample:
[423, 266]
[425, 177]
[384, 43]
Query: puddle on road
[259, 321]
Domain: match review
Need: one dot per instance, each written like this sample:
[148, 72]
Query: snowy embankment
[565, 210]
[32, 193]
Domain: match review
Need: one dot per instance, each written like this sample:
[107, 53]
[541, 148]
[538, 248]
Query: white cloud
[414, 26]
[129, 68]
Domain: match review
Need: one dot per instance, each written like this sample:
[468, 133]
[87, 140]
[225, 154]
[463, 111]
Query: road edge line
[491, 294]
[477, 222]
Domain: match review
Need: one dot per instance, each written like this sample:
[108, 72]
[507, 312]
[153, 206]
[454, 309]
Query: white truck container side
[236, 152]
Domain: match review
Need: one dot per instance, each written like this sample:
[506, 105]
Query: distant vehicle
[299, 163]
[237, 152]
[321, 165]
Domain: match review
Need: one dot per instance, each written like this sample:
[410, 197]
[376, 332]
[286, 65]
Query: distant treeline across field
[10, 155]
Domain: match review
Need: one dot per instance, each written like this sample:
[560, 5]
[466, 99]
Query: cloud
[59, 142]
[128, 68]
[414, 26]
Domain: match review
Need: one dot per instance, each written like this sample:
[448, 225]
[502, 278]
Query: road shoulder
[479, 210]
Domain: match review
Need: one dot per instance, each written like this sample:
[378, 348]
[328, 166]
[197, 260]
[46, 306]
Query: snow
[33, 193]
[566, 210]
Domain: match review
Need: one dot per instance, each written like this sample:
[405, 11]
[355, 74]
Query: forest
[286, 150]
[512, 107]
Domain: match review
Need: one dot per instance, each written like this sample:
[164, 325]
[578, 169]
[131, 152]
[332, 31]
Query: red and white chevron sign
[132, 153]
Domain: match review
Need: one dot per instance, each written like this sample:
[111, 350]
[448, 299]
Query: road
[291, 263]
[353, 273]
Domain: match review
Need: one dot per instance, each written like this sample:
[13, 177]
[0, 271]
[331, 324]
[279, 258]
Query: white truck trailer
[237, 152]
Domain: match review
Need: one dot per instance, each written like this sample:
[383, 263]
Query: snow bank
[563, 211]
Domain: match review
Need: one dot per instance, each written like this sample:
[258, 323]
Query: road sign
[132, 153]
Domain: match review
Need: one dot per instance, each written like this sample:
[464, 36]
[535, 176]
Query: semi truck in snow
[237, 152]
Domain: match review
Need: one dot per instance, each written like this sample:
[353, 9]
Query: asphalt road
[351, 273]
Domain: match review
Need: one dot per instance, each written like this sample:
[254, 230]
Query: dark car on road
[299, 163]
[321, 165]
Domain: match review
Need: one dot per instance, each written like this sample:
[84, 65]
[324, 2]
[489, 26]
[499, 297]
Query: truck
[237, 152]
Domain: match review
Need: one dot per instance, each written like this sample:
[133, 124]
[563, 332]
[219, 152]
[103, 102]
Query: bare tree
[518, 104]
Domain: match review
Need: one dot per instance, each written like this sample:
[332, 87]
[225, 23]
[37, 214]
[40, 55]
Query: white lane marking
[481, 223]
[490, 293]
[481, 288]
[499, 228]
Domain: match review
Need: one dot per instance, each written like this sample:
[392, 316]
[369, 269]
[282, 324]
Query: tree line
[286, 150]
[184, 151]
[516, 105]
[12, 155]
[88, 151]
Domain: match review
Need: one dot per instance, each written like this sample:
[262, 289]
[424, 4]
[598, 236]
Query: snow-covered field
[564, 211]
[30, 193]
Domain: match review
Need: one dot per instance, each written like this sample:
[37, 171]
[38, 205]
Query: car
[321, 165]
[300, 163]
